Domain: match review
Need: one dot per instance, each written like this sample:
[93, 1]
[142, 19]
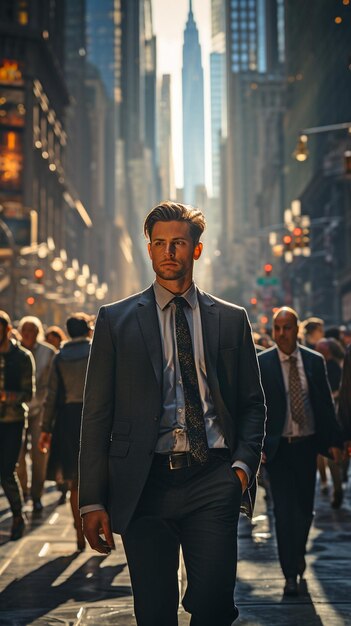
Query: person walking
[345, 408]
[63, 408]
[333, 353]
[32, 338]
[17, 386]
[172, 430]
[301, 423]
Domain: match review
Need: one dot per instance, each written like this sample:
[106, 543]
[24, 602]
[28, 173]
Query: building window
[22, 13]
[11, 160]
[11, 72]
[12, 109]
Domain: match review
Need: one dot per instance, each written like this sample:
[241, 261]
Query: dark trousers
[292, 475]
[10, 445]
[196, 508]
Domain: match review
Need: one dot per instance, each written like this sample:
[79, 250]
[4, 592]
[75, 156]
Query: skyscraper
[165, 139]
[121, 44]
[254, 121]
[218, 89]
[193, 111]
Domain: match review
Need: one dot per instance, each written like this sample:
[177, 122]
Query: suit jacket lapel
[210, 332]
[149, 325]
[278, 374]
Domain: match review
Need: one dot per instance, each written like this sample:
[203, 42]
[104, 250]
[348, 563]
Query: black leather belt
[181, 460]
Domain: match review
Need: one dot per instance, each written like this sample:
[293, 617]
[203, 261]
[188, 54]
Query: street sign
[267, 280]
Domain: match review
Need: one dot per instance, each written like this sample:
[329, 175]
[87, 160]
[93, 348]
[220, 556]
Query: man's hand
[347, 449]
[243, 478]
[95, 524]
[336, 454]
[44, 443]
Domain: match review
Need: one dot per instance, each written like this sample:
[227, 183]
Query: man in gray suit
[173, 423]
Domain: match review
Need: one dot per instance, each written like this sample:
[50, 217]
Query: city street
[43, 580]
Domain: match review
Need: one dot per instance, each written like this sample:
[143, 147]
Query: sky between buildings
[169, 20]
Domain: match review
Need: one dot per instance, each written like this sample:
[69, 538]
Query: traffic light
[253, 302]
[287, 241]
[268, 269]
[30, 300]
[297, 232]
[39, 275]
[288, 248]
[305, 240]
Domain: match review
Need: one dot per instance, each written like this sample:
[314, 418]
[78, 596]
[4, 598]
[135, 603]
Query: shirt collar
[286, 357]
[163, 296]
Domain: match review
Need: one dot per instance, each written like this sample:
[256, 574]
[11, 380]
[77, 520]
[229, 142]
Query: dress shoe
[291, 588]
[37, 506]
[18, 527]
[337, 500]
[301, 566]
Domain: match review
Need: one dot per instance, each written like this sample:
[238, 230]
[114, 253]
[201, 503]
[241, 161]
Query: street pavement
[45, 581]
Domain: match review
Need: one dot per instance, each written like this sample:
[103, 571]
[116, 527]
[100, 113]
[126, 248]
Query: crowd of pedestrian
[42, 376]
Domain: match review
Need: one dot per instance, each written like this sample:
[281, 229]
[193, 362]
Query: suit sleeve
[97, 417]
[332, 432]
[251, 403]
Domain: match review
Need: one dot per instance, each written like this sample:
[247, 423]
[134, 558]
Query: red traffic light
[268, 268]
[253, 301]
[30, 300]
[39, 273]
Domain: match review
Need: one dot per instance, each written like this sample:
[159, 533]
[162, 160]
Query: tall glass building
[193, 111]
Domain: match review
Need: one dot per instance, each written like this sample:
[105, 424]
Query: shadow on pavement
[36, 594]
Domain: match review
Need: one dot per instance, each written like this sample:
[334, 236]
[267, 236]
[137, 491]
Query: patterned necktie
[296, 394]
[194, 415]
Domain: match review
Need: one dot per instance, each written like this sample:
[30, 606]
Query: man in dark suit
[172, 431]
[301, 423]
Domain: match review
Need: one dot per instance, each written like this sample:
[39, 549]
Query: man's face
[172, 252]
[29, 334]
[285, 331]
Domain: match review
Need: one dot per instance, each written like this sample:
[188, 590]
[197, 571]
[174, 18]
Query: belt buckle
[173, 462]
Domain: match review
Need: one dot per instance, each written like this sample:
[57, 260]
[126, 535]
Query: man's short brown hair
[175, 212]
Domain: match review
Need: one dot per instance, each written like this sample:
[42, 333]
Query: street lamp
[301, 152]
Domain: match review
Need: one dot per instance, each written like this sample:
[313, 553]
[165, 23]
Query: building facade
[37, 202]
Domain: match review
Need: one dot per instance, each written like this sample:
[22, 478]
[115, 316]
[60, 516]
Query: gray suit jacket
[123, 398]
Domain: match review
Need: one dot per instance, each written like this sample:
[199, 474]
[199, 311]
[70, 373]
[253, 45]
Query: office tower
[254, 114]
[318, 36]
[165, 139]
[39, 205]
[193, 111]
[218, 89]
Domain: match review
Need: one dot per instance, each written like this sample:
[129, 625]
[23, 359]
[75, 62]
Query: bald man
[301, 423]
